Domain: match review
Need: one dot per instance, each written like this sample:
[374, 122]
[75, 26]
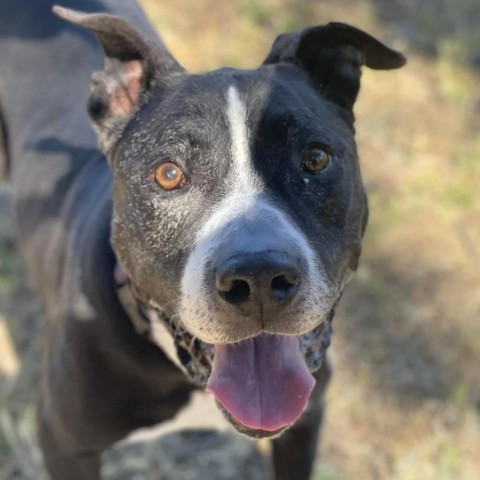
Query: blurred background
[404, 403]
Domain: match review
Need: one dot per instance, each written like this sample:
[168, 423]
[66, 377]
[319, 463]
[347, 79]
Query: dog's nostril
[238, 292]
[281, 283]
[282, 286]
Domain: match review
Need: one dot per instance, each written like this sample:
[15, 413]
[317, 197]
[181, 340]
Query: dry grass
[404, 403]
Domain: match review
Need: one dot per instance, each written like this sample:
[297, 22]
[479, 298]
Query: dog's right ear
[332, 55]
[133, 66]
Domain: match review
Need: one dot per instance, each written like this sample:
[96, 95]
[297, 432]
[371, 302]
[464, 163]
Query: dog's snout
[257, 281]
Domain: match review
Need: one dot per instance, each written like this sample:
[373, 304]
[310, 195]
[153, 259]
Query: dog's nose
[256, 281]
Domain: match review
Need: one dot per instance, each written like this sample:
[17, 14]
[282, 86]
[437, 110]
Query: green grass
[257, 12]
[325, 472]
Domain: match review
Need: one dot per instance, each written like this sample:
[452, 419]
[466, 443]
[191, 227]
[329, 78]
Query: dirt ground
[404, 403]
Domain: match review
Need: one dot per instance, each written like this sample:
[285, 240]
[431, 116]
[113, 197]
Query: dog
[204, 245]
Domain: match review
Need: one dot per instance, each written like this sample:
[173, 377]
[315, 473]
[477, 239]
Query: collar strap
[140, 321]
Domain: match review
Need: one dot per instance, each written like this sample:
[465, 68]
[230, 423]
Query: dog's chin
[247, 431]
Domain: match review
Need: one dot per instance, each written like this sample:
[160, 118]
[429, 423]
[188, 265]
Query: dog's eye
[315, 159]
[169, 176]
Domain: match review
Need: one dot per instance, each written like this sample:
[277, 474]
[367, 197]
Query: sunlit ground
[405, 398]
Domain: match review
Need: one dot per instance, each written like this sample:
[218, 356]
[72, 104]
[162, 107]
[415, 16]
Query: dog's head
[238, 202]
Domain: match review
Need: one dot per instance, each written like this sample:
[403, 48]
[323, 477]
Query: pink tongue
[263, 382]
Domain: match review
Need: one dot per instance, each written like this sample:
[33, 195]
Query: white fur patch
[245, 179]
[162, 337]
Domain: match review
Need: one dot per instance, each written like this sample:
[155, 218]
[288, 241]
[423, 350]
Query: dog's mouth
[262, 384]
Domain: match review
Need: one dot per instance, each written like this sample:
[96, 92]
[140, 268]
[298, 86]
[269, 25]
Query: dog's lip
[249, 432]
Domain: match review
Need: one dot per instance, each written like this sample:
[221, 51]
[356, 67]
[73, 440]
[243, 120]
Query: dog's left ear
[133, 66]
[332, 56]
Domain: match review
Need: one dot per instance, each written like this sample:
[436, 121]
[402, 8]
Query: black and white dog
[210, 244]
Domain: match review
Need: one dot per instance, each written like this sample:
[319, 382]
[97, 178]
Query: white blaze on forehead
[242, 170]
[244, 186]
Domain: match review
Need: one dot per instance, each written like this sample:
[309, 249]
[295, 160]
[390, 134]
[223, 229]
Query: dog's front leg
[63, 463]
[294, 452]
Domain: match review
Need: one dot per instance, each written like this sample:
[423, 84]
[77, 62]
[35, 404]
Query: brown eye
[315, 159]
[169, 176]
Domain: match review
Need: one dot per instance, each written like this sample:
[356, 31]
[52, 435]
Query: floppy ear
[133, 66]
[332, 56]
